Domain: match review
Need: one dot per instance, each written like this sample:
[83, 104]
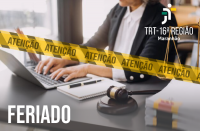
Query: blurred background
[76, 21]
[72, 21]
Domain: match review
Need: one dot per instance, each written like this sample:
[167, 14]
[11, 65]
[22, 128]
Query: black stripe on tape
[161, 75]
[118, 53]
[58, 56]
[13, 33]
[170, 63]
[197, 82]
[109, 66]
[91, 62]
[187, 66]
[5, 46]
[48, 40]
[85, 47]
[180, 79]
[127, 69]
[38, 52]
[134, 56]
[74, 59]
[21, 49]
[153, 74]
[192, 74]
[144, 72]
[120, 56]
[65, 43]
[101, 50]
[31, 37]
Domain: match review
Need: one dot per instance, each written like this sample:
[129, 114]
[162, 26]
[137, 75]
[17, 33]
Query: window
[94, 13]
[34, 17]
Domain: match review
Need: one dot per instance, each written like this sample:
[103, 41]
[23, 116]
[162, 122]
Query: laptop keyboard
[46, 79]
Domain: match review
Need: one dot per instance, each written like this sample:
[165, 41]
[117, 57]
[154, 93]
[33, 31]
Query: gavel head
[117, 93]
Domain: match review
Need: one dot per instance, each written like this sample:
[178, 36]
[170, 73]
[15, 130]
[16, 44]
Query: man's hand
[72, 72]
[53, 64]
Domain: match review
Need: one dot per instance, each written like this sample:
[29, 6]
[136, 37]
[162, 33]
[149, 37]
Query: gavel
[121, 94]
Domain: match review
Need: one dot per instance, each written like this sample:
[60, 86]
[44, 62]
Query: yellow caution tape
[98, 57]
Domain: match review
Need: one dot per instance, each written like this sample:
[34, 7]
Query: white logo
[167, 14]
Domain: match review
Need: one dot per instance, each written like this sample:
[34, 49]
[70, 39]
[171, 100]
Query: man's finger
[60, 74]
[55, 68]
[53, 75]
[48, 67]
[42, 66]
[37, 67]
[71, 76]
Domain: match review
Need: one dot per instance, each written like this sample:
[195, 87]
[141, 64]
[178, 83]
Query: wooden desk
[183, 15]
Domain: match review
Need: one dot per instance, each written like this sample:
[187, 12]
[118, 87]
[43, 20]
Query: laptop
[29, 73]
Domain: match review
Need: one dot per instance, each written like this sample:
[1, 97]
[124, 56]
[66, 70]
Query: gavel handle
[145, 92]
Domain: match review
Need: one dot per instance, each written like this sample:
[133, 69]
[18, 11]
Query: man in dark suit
[123, 31]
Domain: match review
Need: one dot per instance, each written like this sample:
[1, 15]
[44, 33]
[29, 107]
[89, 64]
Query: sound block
[113, 107]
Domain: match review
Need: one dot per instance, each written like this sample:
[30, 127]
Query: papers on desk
[170, 120]
[92, 90]
[177, 103]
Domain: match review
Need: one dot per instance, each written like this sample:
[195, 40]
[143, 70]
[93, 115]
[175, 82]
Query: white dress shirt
[126, 34]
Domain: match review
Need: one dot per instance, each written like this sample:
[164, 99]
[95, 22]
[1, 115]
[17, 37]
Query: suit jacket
[143, 45]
